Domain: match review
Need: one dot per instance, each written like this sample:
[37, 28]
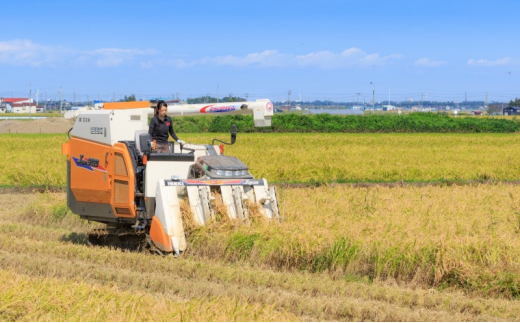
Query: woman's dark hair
[160, 104]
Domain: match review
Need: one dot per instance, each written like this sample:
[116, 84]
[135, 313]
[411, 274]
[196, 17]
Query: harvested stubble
[26, 298]
[47, 276]
[36, 160]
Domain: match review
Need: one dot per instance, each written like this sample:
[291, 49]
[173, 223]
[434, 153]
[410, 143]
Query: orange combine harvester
[115, 177]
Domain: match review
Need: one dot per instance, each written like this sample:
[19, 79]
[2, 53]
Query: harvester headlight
[230, 173]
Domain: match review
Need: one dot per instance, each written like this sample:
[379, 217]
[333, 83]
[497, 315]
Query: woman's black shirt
[159, 129]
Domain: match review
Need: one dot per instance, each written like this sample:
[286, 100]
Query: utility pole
[247, 96]
[358, 94]
[289, 99]
[373, 97]
[61, 101]
[217, 93]
[37, 98]
[30, 101]
[389, 98]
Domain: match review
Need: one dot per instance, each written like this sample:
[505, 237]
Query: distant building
[388, 107]
[9, 103]
[26, 107]
[511, 111]
[477, 113]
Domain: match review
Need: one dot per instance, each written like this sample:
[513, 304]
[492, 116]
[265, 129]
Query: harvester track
[123, 239]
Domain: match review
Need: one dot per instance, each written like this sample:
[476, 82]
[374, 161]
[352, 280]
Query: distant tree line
[210, 99]
[130, 98]
[412, 123]
[515, 103]
[492, 108]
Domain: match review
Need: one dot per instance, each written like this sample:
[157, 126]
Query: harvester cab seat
[143, 142]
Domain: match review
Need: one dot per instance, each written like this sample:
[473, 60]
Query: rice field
[36, 160]
[455, 237]
[354, 248]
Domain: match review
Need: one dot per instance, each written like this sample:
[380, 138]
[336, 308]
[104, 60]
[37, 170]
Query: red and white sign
[269, 106]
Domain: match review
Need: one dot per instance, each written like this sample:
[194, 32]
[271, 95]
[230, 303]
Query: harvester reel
[238, 194]
[199, 198]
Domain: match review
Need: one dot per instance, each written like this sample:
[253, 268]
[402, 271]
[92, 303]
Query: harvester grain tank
[114, 177]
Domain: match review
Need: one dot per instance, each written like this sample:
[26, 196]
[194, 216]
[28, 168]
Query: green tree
[515, 103]
[210, 99]
[130, 98]
[232, 98]
[201, 99]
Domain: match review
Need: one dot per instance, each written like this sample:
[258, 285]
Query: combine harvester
[114, 177]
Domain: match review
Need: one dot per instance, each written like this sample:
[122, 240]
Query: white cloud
[428, 62]
[25, 52]
[321, 59]
[106, 57]
[268, 58]
[496, 62]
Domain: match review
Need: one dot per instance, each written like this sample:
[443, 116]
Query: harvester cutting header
[114, 176]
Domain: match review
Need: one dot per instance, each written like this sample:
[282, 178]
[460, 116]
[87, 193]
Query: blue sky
[437, 50]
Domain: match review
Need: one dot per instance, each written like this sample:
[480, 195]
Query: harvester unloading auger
[114, 177]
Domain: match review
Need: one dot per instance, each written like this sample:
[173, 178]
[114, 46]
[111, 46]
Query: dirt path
[48, 125]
